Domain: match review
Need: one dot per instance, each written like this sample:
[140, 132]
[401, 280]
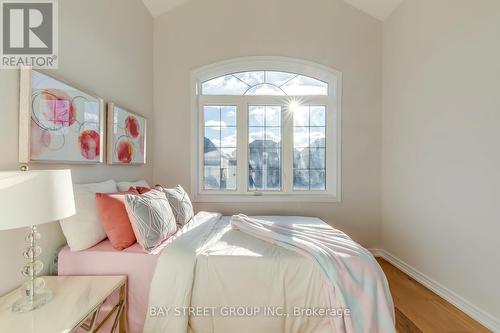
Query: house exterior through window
[266, 129]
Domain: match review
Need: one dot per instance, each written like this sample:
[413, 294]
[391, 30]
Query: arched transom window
[264, 83]
[266, 129]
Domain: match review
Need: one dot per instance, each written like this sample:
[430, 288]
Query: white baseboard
[470, 309]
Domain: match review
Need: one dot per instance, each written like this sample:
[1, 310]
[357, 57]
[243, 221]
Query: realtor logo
[29, 33]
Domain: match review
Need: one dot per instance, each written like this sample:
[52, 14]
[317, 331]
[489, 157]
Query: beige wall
[328, 32]
[105, 47]
[441, 144]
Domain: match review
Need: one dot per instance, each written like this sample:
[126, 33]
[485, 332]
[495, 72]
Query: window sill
[264, 197]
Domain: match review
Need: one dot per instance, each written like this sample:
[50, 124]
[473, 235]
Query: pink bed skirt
[103, 259]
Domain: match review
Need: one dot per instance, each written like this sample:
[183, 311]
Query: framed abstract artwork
[126, 136]
[58, 122]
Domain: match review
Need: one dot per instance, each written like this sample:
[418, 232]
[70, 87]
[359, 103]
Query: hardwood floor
[419, 310]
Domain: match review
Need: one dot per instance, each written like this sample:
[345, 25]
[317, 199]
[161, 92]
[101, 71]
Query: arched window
[266, 129]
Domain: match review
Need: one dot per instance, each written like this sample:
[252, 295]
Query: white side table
[76, 303]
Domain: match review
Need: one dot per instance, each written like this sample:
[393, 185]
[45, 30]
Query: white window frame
[333, 130]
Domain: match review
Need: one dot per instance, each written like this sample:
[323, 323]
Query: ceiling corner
[380, 9]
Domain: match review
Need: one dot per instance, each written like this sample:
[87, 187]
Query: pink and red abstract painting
[58, 122]
[126, 136]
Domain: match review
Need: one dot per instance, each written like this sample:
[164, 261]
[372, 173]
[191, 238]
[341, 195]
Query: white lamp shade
[35, 197]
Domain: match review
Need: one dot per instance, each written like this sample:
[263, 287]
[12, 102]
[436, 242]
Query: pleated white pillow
[151, 217]
[180, 203]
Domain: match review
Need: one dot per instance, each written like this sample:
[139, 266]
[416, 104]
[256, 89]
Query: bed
[216, 280]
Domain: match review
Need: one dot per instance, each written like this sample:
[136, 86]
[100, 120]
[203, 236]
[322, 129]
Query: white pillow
[84, 230]
[124, 186]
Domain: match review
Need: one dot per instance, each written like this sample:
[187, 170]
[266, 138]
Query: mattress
[103, 259]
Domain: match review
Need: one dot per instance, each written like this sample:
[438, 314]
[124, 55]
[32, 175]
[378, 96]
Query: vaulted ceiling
[379, 9]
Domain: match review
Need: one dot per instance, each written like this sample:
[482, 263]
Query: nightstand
[76, 303]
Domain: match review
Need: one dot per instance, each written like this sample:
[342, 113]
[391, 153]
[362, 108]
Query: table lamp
[28, 199]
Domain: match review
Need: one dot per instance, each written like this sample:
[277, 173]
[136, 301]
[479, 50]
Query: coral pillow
[114, 218]
[123, 186]
[140, 189]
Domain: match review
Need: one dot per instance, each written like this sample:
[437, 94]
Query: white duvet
[214, 279]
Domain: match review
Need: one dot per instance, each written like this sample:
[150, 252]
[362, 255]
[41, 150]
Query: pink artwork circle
[132, 127]
[89, 141]
[124, 151]
[41, 139]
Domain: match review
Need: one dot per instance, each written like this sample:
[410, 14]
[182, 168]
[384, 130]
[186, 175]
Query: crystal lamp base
[34, 295]
[26, 304]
